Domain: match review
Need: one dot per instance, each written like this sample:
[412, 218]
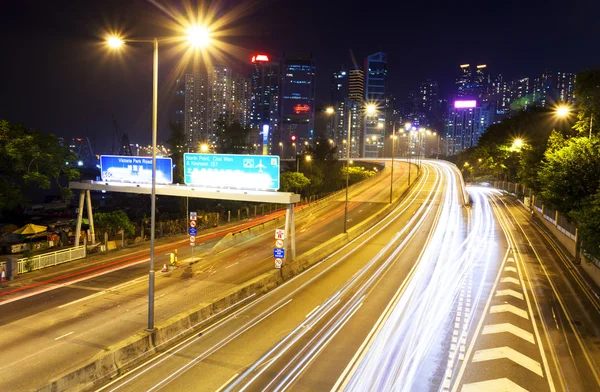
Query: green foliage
[30, 160]
[588, 225]
[233, 138]
[293, 182]
[570, 176]
[587, 90]
[320, 168]
[356, 174]
[113, 222]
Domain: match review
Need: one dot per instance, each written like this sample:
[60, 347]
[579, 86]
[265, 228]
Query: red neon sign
[301, 109]
[293, 137]
[260, 57]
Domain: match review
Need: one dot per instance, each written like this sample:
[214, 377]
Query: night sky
[57, 77]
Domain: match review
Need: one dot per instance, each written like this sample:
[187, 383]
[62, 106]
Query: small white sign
[193, 215]
[192, 223]
[278, 263]
[279, 234]
[192, 239]
[279, 244]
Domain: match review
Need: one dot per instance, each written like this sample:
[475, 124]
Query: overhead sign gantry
[248, 178]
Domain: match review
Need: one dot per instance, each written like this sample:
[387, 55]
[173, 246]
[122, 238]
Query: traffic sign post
[193, 231]
[279, 244]
[278, 263]
[278, 253]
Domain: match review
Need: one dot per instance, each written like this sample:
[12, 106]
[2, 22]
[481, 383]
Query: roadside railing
[51, 259]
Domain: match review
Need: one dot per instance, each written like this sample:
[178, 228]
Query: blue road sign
[278, 253]
[250, 172]
[115, 168]
[193, 231]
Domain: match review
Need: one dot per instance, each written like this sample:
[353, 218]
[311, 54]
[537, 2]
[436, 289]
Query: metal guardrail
[50, 259]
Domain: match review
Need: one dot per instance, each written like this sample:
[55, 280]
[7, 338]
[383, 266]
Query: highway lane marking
[112, 289]
[510, 354]
[509, 328]
[214, 348]
[511, 292]
[366, 236]
[64, 336]
[227, 382]
[65, 284]
[312, 311]
[509, 308]
[497, 385]
[233, 264]
[511, 280]
[510, 269]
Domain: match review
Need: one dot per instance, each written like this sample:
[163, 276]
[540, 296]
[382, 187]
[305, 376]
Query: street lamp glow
[115, 42]
[407, 126]
[198, 36]
[371, 109]
[518, 143]
[379, 125]
[563, 111]
[204, 147]
[329, 110]
[308, 158]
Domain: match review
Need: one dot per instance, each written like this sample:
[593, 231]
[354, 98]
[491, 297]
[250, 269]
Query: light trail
[397, 352]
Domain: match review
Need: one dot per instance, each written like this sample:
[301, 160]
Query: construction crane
[122, 138]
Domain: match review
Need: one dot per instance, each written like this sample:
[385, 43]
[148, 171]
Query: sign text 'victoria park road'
[230, 171]
[118, 168]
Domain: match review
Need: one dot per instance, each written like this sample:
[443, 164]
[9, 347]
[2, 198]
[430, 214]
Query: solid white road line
[506, 327]
[65, 335]
[227, 383]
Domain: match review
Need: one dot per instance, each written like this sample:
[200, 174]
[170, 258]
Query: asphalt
[267, 344]
[59, 329]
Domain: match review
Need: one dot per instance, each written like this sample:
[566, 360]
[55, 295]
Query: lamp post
[393, 148]
[281, 149]
[197, 36]
[348, 147]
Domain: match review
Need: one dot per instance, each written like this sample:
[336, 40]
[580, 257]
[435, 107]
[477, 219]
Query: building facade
[373, 138]
[264, 102]
[297, 94]
[195, 110]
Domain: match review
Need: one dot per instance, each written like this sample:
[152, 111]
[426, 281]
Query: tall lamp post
[199, 37]
[393, 150]
[370, 110]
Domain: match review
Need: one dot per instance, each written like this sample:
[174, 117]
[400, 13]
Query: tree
[570, 176]
[113, 222]
[233, 137]
[293, 182]
[29, 161]
[356, 173]
[320, 168]
[587, 91]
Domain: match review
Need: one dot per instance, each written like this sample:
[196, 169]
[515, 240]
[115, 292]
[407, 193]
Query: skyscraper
[195, 109]
[240, 99]
[464, 81]
[264, 101]
[427, 102]
[219, 99]
[373, 138]
[297, 97]
[466, 121]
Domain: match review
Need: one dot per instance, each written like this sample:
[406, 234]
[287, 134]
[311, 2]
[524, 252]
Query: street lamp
[204, 147]
[281, 149]
[198, 37]
[517, 143]
[393, 148]
[562, 111]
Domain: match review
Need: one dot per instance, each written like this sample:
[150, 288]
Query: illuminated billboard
[232, 171]
[465, 104]
[117, 168]
[260, 58]
[301, 109]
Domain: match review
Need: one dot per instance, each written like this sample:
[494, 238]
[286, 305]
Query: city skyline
[91, 87]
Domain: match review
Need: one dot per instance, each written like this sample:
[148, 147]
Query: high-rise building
[179, 102]
[356, 85]
[464, 81]
[297, 98]
[466, 121]
[218, 100]
[195, 119]
[426, 102]
[264, 101]
[240, 99]
[373, 137]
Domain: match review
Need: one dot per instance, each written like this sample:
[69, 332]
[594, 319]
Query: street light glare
[518, 143]
[329, 110]
[114, 42]
[308, 158]
[371, 108]
[562, 111]
[204, 147]
[198, 36]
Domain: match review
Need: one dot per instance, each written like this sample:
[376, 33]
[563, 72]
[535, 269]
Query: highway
[302, 335]
[58, 325]
[436, 297]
